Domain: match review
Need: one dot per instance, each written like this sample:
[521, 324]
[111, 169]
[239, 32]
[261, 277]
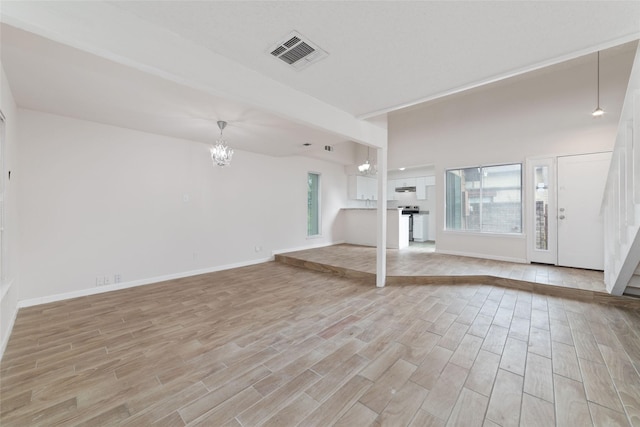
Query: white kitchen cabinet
[405, 182]
[391, 190]
[421, 186]
[362, 187]
[420, 227]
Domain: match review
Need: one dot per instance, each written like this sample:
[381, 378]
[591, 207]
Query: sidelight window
[313, 204]
[484, 199]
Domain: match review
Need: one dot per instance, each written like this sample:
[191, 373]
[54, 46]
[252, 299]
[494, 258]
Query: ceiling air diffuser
[297, 51]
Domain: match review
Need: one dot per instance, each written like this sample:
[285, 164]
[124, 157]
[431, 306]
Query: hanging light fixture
[367, 168]
[363, 168]
[221, 153]
[598, 111]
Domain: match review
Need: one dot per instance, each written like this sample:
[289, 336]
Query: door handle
[561, 217]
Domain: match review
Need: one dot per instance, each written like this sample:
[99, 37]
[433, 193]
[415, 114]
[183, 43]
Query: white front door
[563, 199]
[581, 183]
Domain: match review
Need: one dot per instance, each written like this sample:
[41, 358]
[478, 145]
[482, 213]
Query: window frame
[318, 205]
[4, 244]
[480, 232]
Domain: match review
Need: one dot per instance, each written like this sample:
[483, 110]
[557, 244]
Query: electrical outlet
[117, 278]
[99, 280]
[258, 248]
[107, 280]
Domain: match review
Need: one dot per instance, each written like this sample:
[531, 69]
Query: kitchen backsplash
[409, 199]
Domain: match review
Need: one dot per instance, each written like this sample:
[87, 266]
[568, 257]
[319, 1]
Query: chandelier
[221, 153]
[367, 168]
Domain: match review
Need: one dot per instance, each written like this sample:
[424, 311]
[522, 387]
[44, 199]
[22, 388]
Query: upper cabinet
[421, 186]
[366, 188]
[406, 182]
[362, 187]
[421, 183]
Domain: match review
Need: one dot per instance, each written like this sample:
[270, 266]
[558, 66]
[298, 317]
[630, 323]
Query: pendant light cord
[598, 80]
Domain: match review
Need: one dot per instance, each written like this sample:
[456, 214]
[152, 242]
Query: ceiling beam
[111, 33]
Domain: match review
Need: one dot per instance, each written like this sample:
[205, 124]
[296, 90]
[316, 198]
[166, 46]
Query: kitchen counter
[367, 209]
[361, 227]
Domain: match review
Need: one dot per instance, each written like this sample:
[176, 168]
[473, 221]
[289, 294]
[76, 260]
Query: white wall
[99, 200]
[546, 113]
[9, 288]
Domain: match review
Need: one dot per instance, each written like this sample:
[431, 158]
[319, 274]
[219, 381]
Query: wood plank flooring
[420, 260]
[420, 265]
[278, 345]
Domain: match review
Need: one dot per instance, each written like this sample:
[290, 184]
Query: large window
[485, 199]
[313, 204]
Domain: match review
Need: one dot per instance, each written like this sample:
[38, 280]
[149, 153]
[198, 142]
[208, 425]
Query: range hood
[405, 189]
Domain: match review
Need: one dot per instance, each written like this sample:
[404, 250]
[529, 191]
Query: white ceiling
[383, 56]
[48, 76]
[387, 54]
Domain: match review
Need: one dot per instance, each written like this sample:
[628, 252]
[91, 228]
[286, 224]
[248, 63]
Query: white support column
[381, 250]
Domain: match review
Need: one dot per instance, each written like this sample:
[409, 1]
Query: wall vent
[297, 51]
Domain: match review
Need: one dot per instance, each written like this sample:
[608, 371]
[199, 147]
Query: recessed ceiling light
[401, 169]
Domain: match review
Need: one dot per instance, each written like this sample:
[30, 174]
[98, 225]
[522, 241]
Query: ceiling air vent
[296, 51]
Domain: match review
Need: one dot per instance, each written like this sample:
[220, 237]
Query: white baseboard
[124, 285]
[482, 256]
[141, 282]
[303, 248]
[5, 341]
[4, 288]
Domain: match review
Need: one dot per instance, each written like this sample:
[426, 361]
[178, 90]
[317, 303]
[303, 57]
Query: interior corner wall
[9, 288]
[545, 114]
[98, 200]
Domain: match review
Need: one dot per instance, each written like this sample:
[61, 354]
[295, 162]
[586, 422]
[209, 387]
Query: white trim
[482, 256]
[148, 281]
[124, 285]
[4, 288]
[304, 248]
[5, 341]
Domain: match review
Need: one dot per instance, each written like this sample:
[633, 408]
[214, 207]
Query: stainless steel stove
[410, 210]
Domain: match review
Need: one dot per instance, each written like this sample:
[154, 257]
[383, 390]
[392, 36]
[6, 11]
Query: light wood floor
[420, 260]
[278, 345]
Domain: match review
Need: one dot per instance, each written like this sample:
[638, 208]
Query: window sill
[316, 236]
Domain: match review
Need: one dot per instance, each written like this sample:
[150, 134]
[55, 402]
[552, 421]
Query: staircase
[621, 202]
